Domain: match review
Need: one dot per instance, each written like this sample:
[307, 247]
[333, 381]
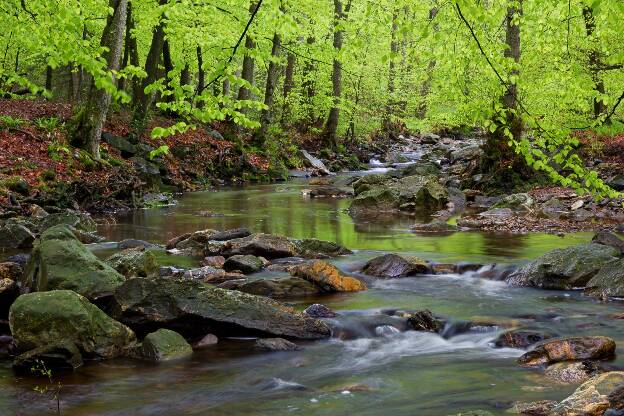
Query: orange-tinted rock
[327, 277]
[569, 349]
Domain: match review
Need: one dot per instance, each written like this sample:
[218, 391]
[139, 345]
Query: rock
[569, 349]
[393, 266]
[135, 262]
[122, 144]
[165, 345]
[132, 243]
[593, 397]
[207, 341]
[319, 311]
[172, 243]
[20, 259]
[315, 163]
[435, 226]
[14, 235]
[214, 261]
[275, 344]
[10, 270]
[327, 277]
[194, 309]
[245, 263]
[572, 373]
[85, 237]
[540, 408]
[230, 234]
[617, 183]
[466, 153]
[497, 213]
[518, 338]
[516, 202]
[263, 245]
[608, 282]
[58, 317]
[312, 248]
[209, 274]
[277, 288]
[148, 171]
[54, 357]
[329, 192]
[564, 269]
[36, 211]
[429, 138]
[60, 261]
[609, 239]
[577, 205]
[9, 291]
[424, 321]
[79, 220]
[195, 241]
[17, 184]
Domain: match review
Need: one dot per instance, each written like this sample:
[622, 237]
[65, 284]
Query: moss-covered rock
[60, 261]
[164, 345]
[264, 245]
[15, 235]
[245, 263]
[193, 309]
[609, 281]
[79, 220]
[56, 317]
[135, 262]
[566, 268]
[312, 248]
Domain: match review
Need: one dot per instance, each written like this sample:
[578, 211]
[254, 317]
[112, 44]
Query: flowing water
[378, 371]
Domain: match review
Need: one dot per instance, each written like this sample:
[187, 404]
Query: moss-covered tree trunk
[248, 62]
[91, 118]
[595, 63]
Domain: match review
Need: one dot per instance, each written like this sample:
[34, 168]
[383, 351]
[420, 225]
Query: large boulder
[566, 268]
[608, 282]
[60, 261]
[79, 220]
[327, 277]
[14, 235]
[58, 317]
[594, 397]
[194, 309]
[313, 248]
[568, 349]
[393, 266]
[245, 263]
[609, 239]
[277, 288]
[165, 345]
[135, 262]
[264, 245]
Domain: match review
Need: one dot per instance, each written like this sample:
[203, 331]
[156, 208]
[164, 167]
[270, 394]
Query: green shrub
[8, 122]
[48, 124]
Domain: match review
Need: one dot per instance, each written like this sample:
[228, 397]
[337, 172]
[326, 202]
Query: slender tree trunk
[331, 127]
[201, 75]
[266, 117]
[248, 63]
[48, 81]
[510, 98]
[91, 118]
[168, 64]
[127, 45]
[594, 63]
[143, 100]
[309, 90]
[394, 49]
[289, 83]
[421, 110]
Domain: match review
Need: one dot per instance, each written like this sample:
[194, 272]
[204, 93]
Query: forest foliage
[531, 73]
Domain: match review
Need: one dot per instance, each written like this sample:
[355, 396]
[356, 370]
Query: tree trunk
[510, 98]
[91, 118]
[168, 64]
[289, 83]
[126, 55]
[594, 63]
[48, 81]
[248, 63]
[266, 117]
[394, 49]
[308, 85]
[421, 111]
[331, 127]
[201, 75]
[143, 100]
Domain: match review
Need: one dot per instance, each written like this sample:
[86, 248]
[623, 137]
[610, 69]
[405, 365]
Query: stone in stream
[315, 163]
[207, 341]
[64, 355]
[569, 349]
[164, 345]
[539, 408]
[275, 344]
[132, 243]
[264, 245]
[319, 311]
[609, 239]
[393, 266]
[194, 309]
[60, 317]
[516, 202]
[312, 248]
[327, 277]
[214, 261]
[230, 234]
[572, 373]
[79, 220]
[14, 235]
[135, 262]
[424, 321]
[277, 288]
[435, 226]
[594, 397]
[245, 263]
[566, 268]
[60, 261]
[608, 282]
[519, 338]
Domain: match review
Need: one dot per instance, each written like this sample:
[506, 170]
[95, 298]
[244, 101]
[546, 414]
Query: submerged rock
[60, 261]
[245, 263]
[569, 349]
[327, 277]
[393, 266]
[193, 309]
[165, 345]
[58, 317]
[594, 397]
[518, 338]
[566, 268]
[135, 262]
[275, 344]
